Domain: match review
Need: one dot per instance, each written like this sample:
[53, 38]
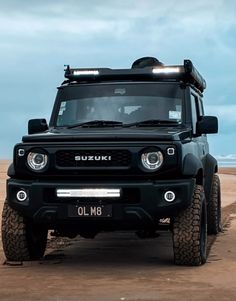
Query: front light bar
[186, 73]
[88, 193]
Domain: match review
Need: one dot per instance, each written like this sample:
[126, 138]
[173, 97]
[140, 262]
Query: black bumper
[141, 202]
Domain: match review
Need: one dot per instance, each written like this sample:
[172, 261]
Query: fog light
[169, 196]
[21, 196]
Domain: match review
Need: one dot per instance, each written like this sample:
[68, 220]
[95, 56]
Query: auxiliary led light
[169, 196]
[85, 72]
[166, 70]
[21, 196]
[89, 193]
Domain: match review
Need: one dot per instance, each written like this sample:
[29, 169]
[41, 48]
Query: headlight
[37, 161]
[152, 160]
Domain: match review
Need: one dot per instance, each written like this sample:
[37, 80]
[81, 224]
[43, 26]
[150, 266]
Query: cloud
[224, 112]
[227, 121]
[129, 28]
[38, 37]
[194, 18]
[224, 142]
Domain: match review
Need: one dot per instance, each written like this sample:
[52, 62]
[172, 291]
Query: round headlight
[152, 160]
[37, 161]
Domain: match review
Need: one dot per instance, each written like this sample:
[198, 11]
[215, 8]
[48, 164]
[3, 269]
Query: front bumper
[141, 202]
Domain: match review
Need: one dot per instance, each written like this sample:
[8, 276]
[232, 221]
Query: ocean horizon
[226, 161]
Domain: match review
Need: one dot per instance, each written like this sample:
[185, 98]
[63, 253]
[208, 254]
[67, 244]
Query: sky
[37, 38]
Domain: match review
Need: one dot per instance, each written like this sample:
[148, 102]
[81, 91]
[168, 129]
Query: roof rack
[186, 73]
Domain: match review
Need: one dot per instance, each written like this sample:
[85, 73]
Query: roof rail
[186, 73]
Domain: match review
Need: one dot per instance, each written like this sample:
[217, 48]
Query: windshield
[119, 103]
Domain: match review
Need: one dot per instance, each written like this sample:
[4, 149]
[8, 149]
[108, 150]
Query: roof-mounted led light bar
[85, 72]
[186, 73]
[166, 70]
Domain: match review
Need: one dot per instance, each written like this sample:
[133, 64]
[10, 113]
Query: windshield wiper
[151, 122]
[96, 123]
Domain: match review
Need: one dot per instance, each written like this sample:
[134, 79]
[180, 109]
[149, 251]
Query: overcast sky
[38, 37]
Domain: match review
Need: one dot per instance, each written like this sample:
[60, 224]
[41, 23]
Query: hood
[110, 134]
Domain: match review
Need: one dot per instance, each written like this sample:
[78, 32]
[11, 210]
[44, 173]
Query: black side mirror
[207, 125]
[37, 126]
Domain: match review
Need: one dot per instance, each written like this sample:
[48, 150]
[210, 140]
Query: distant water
[226, 161]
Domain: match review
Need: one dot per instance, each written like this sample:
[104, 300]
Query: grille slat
[119, 158]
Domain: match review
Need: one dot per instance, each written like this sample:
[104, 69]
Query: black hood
[110, 134]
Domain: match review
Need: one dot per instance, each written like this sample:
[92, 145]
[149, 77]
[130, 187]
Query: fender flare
[210, 168]
[191, 165]
[11, 171]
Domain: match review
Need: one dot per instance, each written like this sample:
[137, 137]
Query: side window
[194, 112]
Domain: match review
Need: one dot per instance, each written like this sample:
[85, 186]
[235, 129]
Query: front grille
[90, 158]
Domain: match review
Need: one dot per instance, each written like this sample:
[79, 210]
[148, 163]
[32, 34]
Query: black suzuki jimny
[125, 149]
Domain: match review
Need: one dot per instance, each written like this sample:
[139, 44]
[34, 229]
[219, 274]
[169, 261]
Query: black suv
[125, 149]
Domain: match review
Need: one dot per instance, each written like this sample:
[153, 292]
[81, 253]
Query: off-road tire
[190, 232]
[22, 240]
[214, 207]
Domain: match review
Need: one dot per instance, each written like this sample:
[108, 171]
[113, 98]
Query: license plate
[90, 211]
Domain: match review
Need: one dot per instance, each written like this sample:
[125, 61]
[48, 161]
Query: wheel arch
[11, 170]
[192, 166]
[199, 177]
[210, 166]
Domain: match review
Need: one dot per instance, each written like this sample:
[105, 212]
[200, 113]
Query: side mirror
[37, 126]
[207, 125]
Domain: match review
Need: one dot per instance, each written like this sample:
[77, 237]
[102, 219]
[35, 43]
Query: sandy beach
[121, 267]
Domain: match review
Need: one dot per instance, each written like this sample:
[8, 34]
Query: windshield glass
[124, 103]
